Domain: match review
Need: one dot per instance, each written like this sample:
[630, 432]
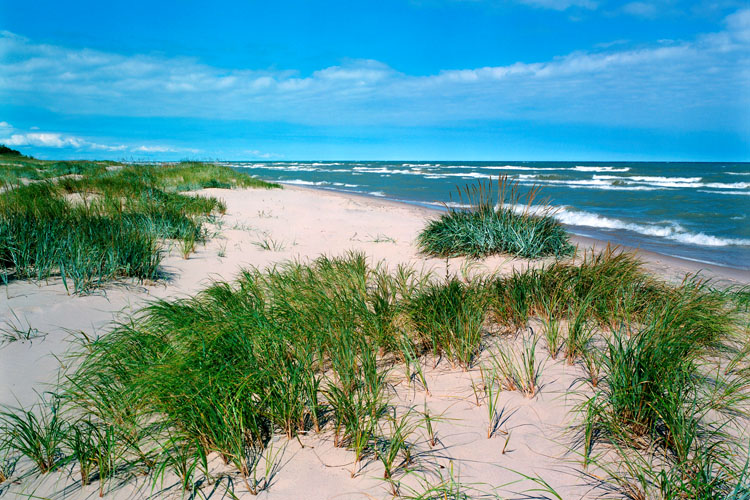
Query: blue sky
[410, 79]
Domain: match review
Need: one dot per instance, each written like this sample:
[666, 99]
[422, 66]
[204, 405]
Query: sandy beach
[265, 227]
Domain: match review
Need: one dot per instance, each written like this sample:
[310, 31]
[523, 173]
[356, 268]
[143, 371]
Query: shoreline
[660, 263]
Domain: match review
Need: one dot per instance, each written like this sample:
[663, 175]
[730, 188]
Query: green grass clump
[191, 176]
[104, 223]
[484, 229]
[608, 288]
[36, 437]
[449, 317]
[664, 390]
[18, 169]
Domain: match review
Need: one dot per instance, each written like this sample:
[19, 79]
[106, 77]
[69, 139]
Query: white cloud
[154, 149]
[56, 140]
[43, 140]
[694, 84]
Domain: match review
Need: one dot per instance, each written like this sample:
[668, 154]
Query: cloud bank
[698, 84]
[55, 140]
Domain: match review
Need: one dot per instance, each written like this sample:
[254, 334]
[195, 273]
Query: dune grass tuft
[485, 223]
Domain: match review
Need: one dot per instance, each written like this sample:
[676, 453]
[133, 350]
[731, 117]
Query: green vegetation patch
[6, 151]
[104, 222]
[191, 176]
[478, 228]
[308, 347]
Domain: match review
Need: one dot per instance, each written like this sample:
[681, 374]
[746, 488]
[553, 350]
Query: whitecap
[592, 184]
[727, 185]
[738, 193]
[581, 168]
[670, 231]
[300, 182]
[516, 167]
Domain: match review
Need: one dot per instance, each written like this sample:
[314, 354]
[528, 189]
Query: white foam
[728, 185]
[385, 171]
[739, 193]
[516, 167]
[649, 178]
[377, 193]
[672, 182]
[671, 231]
[300, 182]
[469, 175]
[593, 184]
[581, 168]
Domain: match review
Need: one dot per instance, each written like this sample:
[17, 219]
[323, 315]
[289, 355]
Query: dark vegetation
[6, 151]
[485, 223]
[307, 347]
[94, 222]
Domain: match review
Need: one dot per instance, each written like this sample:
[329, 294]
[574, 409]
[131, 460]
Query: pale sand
[305, 223]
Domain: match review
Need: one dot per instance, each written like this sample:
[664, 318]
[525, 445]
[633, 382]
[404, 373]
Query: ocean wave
[581, 168]
[590, 184]
[286, 168]
[649, 178]
[385, 171]
[728, 185]
[377, 193]
[469, 175]
[672, 231]
[300, 182]
[672, 182]
[737, 173]
[739, 193]
[654, 181]
[516, 167]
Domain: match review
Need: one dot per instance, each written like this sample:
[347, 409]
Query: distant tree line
[5, 150]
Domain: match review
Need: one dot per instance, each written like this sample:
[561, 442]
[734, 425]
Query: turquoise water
[697, 211]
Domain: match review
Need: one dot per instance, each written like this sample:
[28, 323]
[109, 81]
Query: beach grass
[106, 222]
[487, 222]
[311, 347]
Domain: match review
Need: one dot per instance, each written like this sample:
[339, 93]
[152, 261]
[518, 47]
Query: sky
[377, 80]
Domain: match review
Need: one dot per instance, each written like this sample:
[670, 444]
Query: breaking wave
[671, 231]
